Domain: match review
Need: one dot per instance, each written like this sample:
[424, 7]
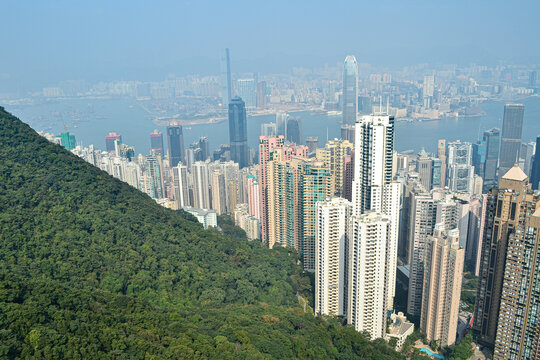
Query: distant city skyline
[101, 40]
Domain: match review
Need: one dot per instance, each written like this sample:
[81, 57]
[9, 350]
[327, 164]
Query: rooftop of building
[515, 174]
[200, 212]
[405, 269]
[400, 326]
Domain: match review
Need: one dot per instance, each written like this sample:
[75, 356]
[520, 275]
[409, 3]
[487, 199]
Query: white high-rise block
[181, 185]
[331, 244]
[373, 188]
[369, 236]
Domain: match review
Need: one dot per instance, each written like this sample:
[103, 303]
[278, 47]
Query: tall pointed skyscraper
[350, 90]
[226, 87]
[238, 132]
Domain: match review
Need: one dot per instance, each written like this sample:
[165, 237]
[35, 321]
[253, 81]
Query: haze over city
[47, 42]
[270, 180]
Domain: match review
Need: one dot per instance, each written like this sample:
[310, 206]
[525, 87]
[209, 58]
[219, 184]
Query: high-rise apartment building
[254, 196]
[238, 132]
[518, 334]
[508, 209]
[331, 256]
[411, 187]
[373, 161]
[250, 224]
[295, 184]
[368, 278]
[333, 155]
[350, 90]
[373, 188]
[427, 209]
[175, 139]
[316, 187]
[181, 185]
[267, 147]
[218, 191]
[201, 195]
[511, 137]
[442, 286]
[153, 170]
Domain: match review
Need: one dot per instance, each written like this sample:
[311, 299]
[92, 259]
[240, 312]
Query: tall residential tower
[376, 202]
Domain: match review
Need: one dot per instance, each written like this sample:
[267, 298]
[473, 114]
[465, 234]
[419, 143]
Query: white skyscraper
[201, 195]
[373, 188]
[218, 191]
[180, 185]
[331, 243]
[369, 236]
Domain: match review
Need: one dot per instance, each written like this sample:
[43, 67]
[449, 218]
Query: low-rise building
[206, 217]
[399, 329]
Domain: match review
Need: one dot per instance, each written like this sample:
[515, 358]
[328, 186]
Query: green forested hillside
[91, 268]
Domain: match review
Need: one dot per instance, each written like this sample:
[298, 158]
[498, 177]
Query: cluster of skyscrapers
[362, 215]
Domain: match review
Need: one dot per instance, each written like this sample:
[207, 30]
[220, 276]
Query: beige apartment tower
[442, 286]
[333, 155]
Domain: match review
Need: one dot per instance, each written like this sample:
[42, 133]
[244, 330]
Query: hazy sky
[43, 42]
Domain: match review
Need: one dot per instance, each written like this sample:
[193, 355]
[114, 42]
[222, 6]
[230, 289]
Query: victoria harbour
[87, 119]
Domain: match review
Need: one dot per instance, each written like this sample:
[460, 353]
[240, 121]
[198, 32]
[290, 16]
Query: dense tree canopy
[92, 268]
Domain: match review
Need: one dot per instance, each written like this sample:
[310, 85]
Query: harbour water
[91, 120]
